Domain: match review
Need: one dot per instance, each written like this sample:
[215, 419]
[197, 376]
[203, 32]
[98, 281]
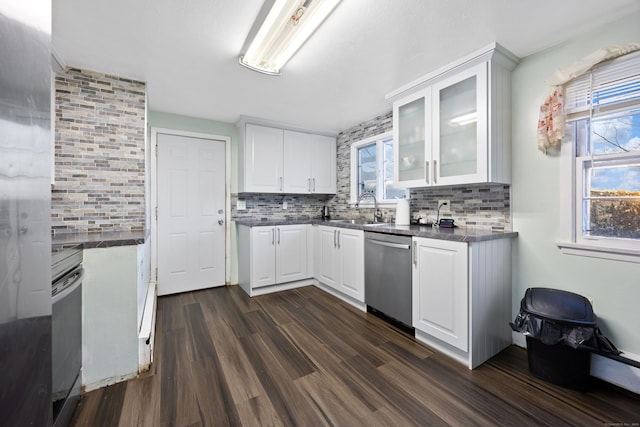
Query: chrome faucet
[377, 215]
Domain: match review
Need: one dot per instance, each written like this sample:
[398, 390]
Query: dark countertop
[458, 234]
[98, 240]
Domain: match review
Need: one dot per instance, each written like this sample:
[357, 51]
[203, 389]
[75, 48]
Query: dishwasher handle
[389, 244]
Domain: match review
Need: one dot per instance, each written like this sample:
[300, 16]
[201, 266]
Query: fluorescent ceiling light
[288, 24]
[464, 119]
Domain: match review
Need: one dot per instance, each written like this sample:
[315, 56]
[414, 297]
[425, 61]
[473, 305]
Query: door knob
[220, 221]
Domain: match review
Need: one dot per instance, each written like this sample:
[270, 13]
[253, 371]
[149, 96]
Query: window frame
[572, 241]
[379, 141]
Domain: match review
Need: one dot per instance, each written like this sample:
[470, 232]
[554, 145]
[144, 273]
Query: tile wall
[264, 207]
[99, 153]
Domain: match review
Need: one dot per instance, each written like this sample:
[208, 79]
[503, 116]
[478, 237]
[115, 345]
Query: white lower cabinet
[339, 260]
[440, 290]
[462, 297]
[272, 255]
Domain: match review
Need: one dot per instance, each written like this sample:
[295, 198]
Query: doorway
[191, 211]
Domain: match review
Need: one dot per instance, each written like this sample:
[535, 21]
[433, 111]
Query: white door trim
[153, 146]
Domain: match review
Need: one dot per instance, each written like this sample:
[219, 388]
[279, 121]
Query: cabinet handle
[280, 183]
[309, 184]
[435, 171]
[314, 185]
[334, 238]
[338, 239]
[415, 253]
[273, 237]
[278, 235]
[426, 171]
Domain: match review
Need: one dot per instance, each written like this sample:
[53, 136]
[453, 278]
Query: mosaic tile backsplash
[485, 206]
[99, 153]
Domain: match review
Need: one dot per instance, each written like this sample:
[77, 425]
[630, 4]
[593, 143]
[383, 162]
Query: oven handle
[77, 281]
[390, 245]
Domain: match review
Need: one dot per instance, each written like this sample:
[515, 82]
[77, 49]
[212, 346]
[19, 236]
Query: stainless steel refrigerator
[25, 222]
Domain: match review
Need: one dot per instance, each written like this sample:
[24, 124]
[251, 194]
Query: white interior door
[191, 216]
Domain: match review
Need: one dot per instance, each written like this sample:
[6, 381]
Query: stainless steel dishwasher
[387, 277]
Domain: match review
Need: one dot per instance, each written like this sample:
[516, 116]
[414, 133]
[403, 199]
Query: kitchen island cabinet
[273, 258]
[462, 297]
[339, 261]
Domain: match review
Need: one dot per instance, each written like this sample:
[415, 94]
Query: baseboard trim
[616, 371]
[146, 335]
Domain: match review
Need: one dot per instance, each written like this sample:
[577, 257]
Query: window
[372, 170]
[603, 119]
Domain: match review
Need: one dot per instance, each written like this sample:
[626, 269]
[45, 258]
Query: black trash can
[562, 332]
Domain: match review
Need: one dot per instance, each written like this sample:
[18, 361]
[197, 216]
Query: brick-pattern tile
[99, 153]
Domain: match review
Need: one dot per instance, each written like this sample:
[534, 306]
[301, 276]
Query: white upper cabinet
[459, 128]
[275, 160]
[323, 164]
[453, 126]
[263, 161]
[309, 163]
[412, 150]
[297, 158]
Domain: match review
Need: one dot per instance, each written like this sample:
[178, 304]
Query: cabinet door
[297, 162]
[411, 131]
[460, 127]
[263, 256]
[291, 253]
[440, 297]
[327, 257]
[263, 159]
[323, 164]
[351, 248]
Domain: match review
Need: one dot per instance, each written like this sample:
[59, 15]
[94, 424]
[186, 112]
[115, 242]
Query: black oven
[66, 293]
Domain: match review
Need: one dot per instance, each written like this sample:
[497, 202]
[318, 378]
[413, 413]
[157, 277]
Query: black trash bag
[555, 317]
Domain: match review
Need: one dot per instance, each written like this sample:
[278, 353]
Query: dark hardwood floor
[304, 358]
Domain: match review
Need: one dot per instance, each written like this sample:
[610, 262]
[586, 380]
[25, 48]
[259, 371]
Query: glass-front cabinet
[454, 127]
[460, 127]
[413, 147]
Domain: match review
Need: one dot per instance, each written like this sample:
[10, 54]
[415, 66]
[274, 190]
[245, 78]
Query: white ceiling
[187, 50]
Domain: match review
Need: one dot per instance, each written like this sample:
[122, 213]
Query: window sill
[617, 254]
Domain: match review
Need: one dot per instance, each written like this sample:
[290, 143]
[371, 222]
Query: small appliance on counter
[325, 212]
[446, 223]
[402, 212]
